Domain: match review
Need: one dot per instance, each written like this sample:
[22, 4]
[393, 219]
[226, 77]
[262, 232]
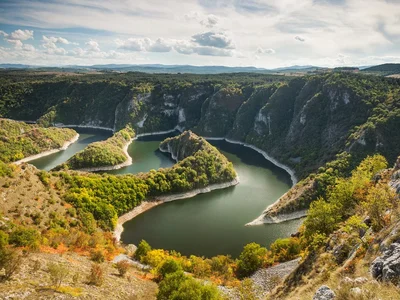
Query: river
[207, 224]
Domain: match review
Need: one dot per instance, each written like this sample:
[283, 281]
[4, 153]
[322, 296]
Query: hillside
[19, 140]
[108, 154]
[386, 69]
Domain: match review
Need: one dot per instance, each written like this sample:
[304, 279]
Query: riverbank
[264, 218]
[155, 201]
[129, 160]
[283, 217]
[290, 171]
[84, 126]
[48, 152]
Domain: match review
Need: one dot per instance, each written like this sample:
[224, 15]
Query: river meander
[207, 224]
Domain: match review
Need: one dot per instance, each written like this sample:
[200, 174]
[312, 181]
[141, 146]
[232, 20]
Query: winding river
[207, 224]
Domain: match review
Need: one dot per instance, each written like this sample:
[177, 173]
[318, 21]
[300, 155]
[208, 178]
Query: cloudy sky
[262, 33]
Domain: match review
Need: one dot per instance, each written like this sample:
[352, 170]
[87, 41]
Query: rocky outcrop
[387, 266]
[395, 179]
[324, 293]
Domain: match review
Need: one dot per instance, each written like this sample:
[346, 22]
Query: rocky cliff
[301, 122]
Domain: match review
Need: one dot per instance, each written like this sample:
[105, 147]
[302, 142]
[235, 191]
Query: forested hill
[303, 122]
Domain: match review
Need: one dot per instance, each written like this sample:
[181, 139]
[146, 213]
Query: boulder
[324, 293]
[387, 266]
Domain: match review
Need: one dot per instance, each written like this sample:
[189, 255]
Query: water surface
[208, 224]
[213, 223]
[86, 136]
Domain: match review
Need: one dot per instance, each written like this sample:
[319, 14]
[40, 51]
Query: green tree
[169, 284]
[377, 202]
[25, 237]
[322, 217]
[142, 250]
[168, 267]
[251, 259]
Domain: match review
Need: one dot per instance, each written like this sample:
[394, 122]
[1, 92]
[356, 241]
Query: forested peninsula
[337, 131]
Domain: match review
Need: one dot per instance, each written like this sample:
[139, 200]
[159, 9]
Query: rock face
[395, 180]
[387, 266]
[324, 293]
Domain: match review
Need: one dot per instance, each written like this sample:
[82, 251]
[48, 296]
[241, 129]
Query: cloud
[299, 38]
[130, 44]
[145, 44]
[265, 51]
[214, 39]
[5, 34]
[92, 46]
[21, 35]
[50, 44]
[58, 40]
[17, 43]
[210, 21]
[160, 45]
[212, 51]
[28, 48]
[188, 47]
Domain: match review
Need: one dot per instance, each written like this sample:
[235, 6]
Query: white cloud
[28, 48]
[214, 39]
[21, 35]
[210, 21]
[299, 38]
[17, 43]
[92, 46]
[265, 51]
[54, 39]
[360, 32]
[145, 44]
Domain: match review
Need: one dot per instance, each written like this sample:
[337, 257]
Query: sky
[260, 33]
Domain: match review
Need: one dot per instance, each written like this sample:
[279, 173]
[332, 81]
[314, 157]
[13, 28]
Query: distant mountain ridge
[160, 68]
[383, 69]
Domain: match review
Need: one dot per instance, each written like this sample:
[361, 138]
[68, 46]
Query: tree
[169, 284]
[251, 259]
[377, 202]
[168, 267]
[24, 237]
[322, 217]
[141, 250]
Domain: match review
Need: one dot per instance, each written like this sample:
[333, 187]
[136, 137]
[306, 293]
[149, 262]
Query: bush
[251, 259]
[10, 261]
[141, 250]
[177, 286]
[58, 273]
[25, 237]
[285, 249]
[97, 256]
[169, 284]
[168, 267]
[3, 239]
[122, 267]
[96, 276]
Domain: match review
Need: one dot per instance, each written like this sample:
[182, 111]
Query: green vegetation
[102, 154]
[178, 286]
[251, 259]
[105, 197]
[19, 140]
